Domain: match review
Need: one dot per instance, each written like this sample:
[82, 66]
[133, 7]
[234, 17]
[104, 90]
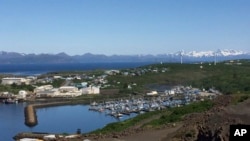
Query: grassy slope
[229, 79]
[226, 78]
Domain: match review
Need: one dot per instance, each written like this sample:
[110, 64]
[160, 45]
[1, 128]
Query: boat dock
[122, 107]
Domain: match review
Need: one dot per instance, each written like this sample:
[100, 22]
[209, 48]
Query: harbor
[117, 109]
[176, 96]
[103, 111]
[61, 119]
[123, 107]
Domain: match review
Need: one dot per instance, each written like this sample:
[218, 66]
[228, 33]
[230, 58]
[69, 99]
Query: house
[152, 93]
[91, 90]
[57, 77]
[169, 92]
[22, 94]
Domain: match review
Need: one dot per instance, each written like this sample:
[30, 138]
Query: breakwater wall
[30, 111]
[30, 116]
[30, 135]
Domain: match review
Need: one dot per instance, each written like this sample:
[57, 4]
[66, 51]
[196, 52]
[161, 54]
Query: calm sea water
[36, 69]
[61, 119]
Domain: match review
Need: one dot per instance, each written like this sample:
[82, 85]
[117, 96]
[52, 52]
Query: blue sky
[123, 26]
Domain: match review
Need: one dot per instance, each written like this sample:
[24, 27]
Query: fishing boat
[10, 101]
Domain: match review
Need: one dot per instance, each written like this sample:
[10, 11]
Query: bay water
[61, 119]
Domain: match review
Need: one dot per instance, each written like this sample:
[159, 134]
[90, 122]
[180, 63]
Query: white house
[91, 90]
[22, 94]
[152, 93]
[57, 77]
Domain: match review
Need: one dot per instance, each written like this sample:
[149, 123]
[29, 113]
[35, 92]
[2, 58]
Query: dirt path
[155, 135]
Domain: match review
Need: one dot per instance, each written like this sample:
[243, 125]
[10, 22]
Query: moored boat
[10, 101]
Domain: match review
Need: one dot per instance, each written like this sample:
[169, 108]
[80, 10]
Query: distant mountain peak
[191, 56]
[219, 52]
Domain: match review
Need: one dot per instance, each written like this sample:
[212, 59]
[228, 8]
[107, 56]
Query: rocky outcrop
[214, 124]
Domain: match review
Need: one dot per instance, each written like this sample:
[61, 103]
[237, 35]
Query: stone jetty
[30, 116]
[30, 111]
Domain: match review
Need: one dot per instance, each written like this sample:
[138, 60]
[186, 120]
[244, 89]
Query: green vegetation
[166, 116]
[225, 77]
[58, 83]
[14, 88]
[55, 83]
[120, 126]
[178, 112]
[238, 98]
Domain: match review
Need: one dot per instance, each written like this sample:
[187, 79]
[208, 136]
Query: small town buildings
[64, 91]
[112, 72]
[43, 88]
[48, 93]
[69, 91]
[170, 92]
[15, 80]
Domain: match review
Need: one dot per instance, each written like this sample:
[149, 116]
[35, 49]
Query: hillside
[227, 77]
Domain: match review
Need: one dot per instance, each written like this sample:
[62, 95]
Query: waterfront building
[14, 80]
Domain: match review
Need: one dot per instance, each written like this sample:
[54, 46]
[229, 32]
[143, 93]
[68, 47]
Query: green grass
[166, 116]
[120, 126]
[178, 112]
[238, 98]
[228, 79]
[14, 88]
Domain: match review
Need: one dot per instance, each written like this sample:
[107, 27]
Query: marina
[180, 97]
[123, 107]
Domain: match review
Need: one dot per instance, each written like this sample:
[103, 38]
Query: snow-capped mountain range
[225, 52]
[191, 56]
